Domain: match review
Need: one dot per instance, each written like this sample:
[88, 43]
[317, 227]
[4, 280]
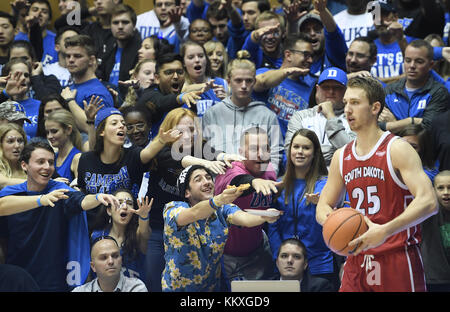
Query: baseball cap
[386, 5]
[307, 17]
[13, 111]
[333, 73]
[105, 113]
[185, 175]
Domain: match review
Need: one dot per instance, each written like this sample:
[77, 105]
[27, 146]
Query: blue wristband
[39, 201]
[96, 196]
[213, 204]
[180, 97]
[6, 94]
[145, 219]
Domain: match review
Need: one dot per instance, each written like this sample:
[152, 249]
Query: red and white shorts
[399, 270]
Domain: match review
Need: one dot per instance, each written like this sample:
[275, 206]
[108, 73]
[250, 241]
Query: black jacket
[44, 85]
[128, 60]
[157, 102]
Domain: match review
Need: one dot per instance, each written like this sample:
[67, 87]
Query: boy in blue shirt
[81, 63]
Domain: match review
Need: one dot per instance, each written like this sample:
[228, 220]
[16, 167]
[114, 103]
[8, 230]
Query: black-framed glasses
[139, 126]
[171, 72]
[306, 54]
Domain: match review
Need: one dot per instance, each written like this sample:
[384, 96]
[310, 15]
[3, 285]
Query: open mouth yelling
[176, 87]
[198, 68]
[121, 134]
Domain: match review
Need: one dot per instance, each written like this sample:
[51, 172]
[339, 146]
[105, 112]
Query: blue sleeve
[236, 39]
[194, 12]
[228, 210]
[437, 53]
[274, 231]
[261, 96]
[256, 54]
[336, 48]
[72, 205]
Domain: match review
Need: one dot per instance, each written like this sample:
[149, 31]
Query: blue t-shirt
[299, 219]
[286, 98]
[64, 170]
[90, 88]
[49, 54]
[389, 59]
[38, 238]
[114, 76]
[209, 98]
[31, 107]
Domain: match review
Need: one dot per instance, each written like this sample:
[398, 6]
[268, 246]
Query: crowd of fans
[121, 133]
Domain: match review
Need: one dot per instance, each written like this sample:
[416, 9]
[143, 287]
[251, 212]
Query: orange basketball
[341, 227]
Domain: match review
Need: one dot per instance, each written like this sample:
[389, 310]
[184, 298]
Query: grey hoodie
[224, 123]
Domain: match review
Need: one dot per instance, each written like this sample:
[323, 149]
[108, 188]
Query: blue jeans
[154, 261]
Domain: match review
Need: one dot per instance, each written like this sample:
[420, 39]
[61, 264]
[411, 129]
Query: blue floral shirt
[193, 252]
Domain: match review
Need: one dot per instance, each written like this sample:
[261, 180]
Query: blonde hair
[131, 97]
[210, 46]
[5, 168]
[269, 15]
[65, 119]
[241, 62]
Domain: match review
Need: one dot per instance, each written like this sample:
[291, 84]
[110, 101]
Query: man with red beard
[247, 253]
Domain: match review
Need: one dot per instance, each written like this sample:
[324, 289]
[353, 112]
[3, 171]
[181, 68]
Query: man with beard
[328, 42]
[361, 56]
[264, 43]
[286, 90]
[81, 62]
[355, 21]
[327, 119]
[247, 253]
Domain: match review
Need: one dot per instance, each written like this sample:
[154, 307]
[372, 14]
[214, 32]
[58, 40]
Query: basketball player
[384, 179]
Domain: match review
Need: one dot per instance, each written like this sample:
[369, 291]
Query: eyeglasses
[274, 34]
[306, 54]
[197, 30]
[171, 72]
[166, 4]
[138, 126]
